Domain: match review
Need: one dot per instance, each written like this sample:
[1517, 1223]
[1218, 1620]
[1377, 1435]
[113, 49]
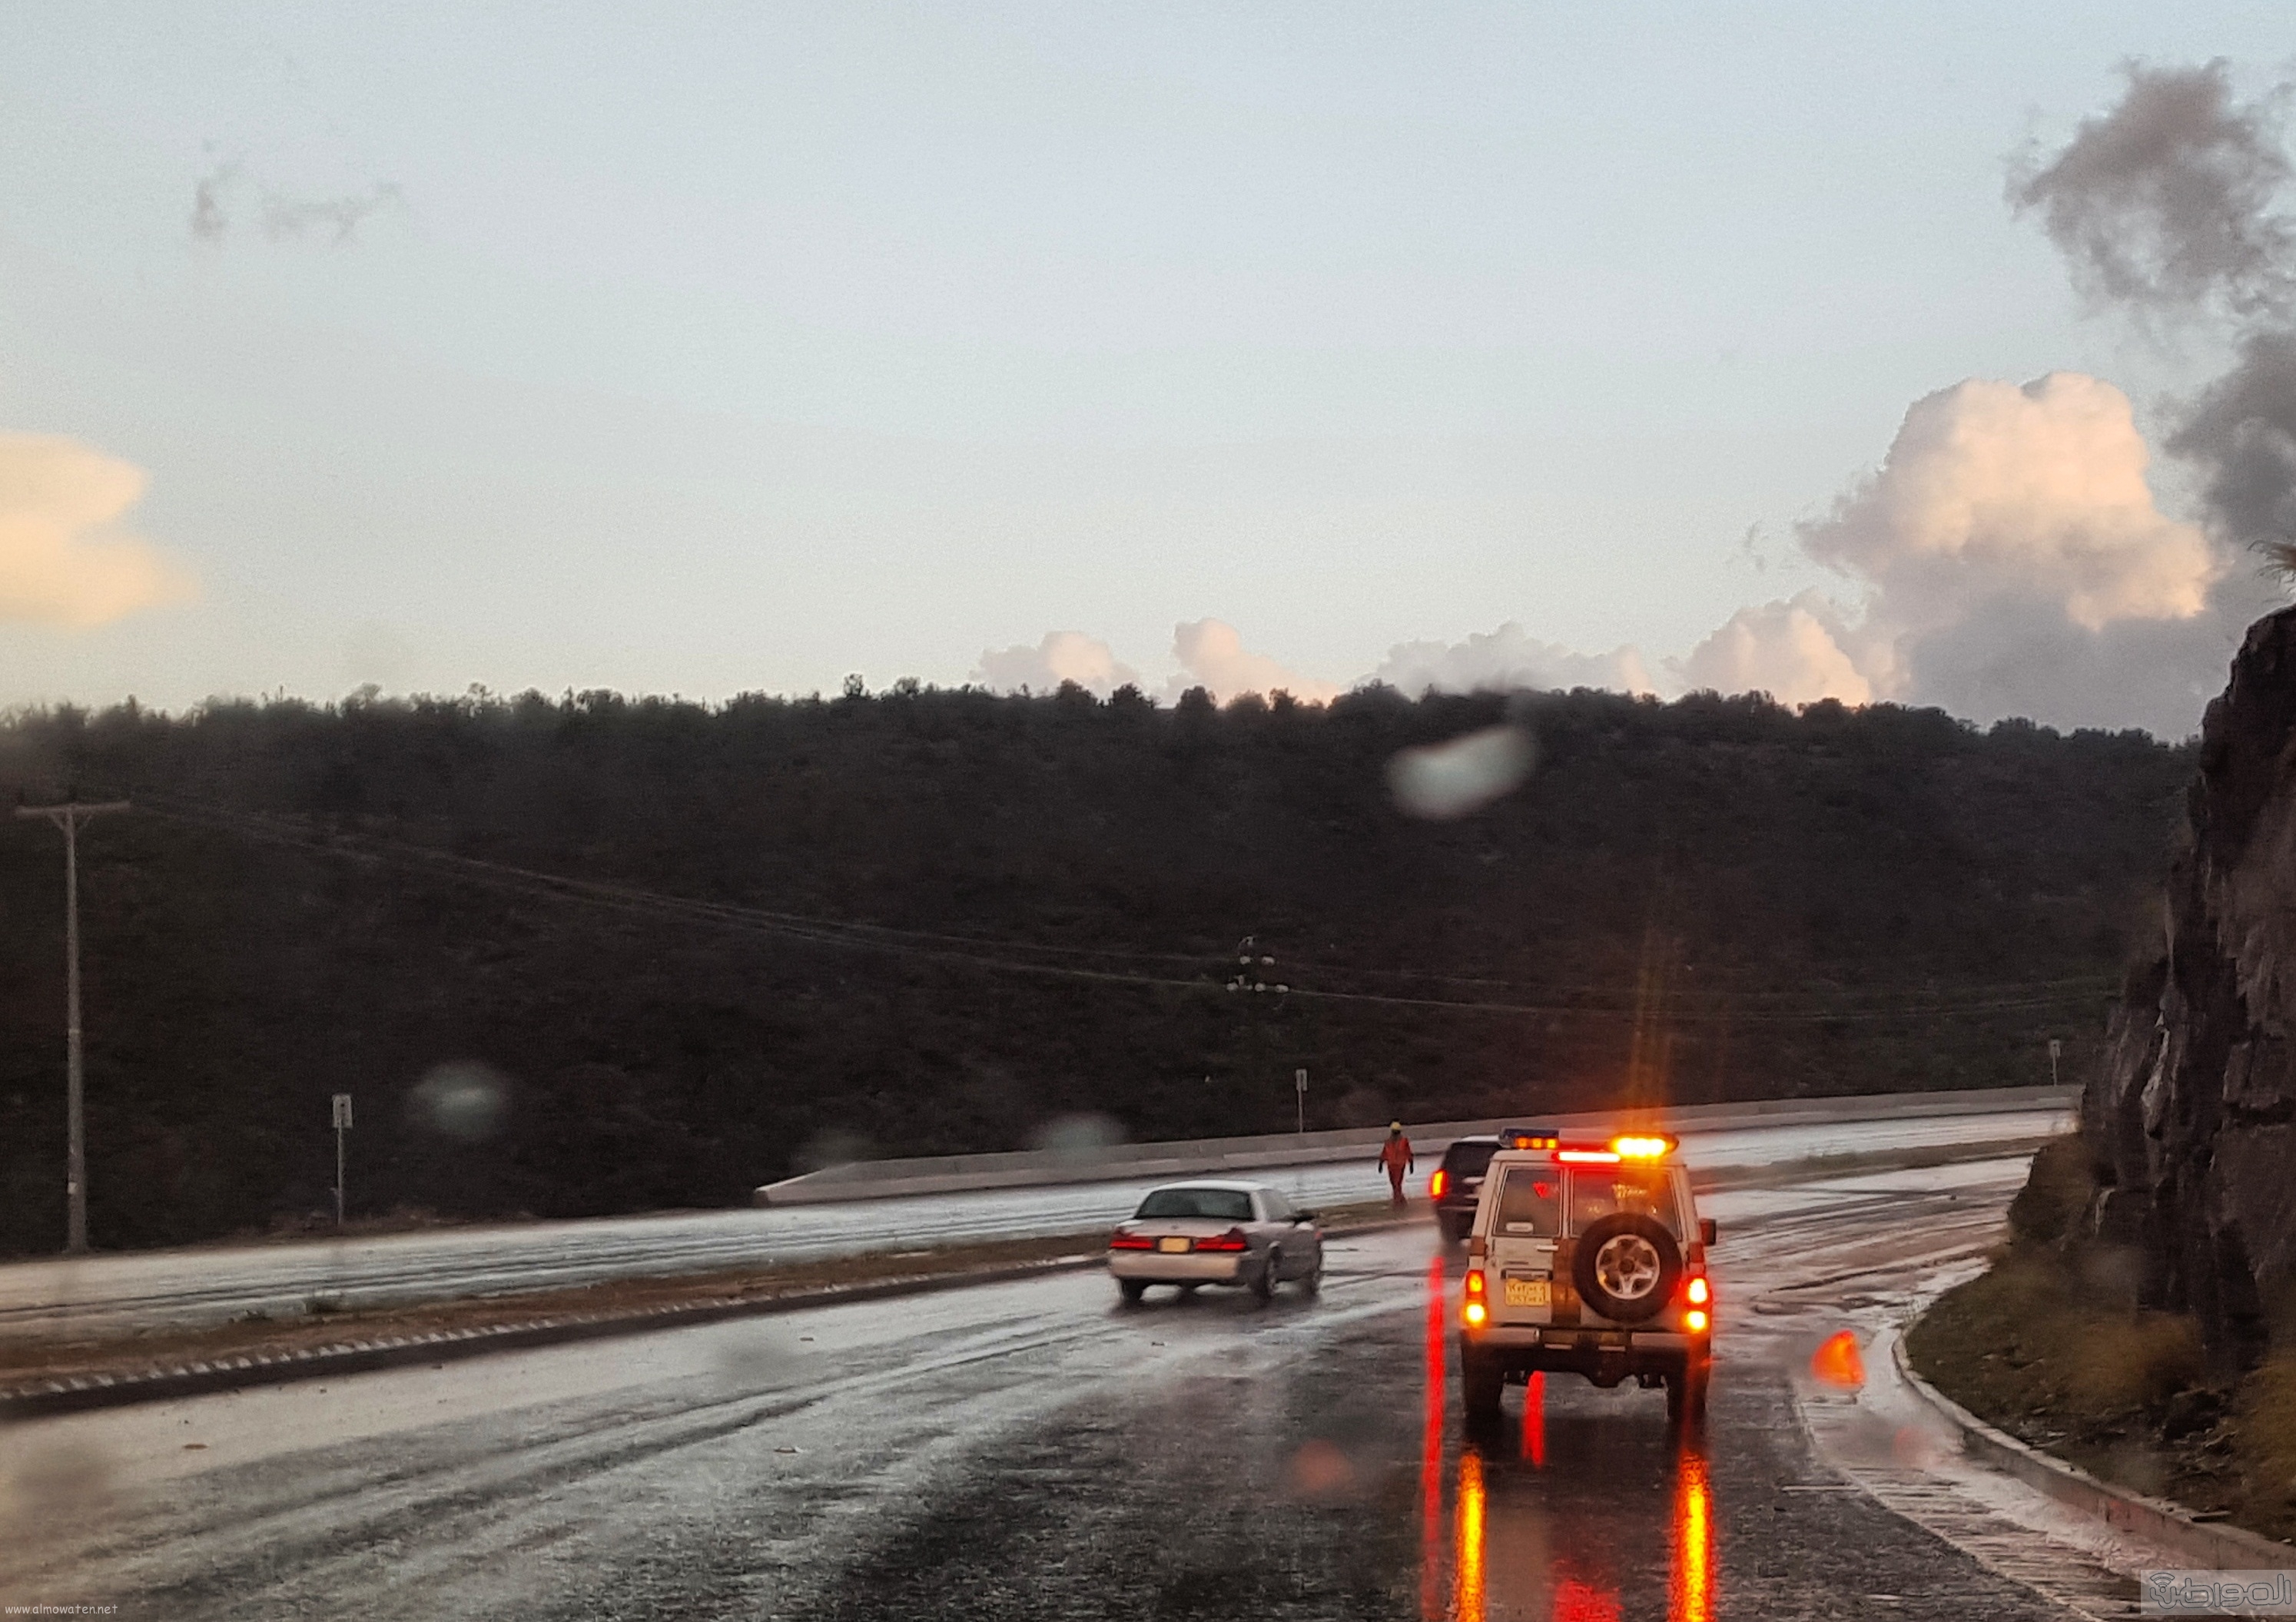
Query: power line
[932, 946]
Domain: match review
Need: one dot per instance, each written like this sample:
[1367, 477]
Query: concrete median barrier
[1214, 1157]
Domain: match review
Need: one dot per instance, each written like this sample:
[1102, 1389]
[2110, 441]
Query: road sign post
[342, 1125]
[1299, 1085]
[2057, 1051]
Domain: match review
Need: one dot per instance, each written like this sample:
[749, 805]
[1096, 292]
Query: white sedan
[1191, 1234]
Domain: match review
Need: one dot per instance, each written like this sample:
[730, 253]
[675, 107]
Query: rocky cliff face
[2191, 1114]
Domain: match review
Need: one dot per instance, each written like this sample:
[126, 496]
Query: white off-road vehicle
[1587, 1257]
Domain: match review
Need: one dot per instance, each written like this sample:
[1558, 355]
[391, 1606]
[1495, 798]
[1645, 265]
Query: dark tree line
[938, 921]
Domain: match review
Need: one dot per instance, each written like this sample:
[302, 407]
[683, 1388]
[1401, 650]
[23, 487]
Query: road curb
[1823, 1167]
[2169, 1525]
[39, 1399]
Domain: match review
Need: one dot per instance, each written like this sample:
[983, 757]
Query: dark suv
[1456, 1182]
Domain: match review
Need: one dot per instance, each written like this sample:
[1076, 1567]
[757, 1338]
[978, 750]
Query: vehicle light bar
[1626, 1146]
[1529, 1137]
[1643, 1146]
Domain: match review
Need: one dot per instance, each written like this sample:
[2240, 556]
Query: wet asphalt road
[1035, 1451]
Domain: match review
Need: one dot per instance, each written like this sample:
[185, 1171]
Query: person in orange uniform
[1395, 1159]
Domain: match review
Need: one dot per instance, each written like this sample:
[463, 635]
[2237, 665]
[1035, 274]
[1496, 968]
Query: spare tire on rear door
[1626, 1266]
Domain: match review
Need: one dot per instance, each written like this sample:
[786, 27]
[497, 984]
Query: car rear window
[1598, 1191]
[1218, 1204]
[1469, 1159]
[1530, 1201]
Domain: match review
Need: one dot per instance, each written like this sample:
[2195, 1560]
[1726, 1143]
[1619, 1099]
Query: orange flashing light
[1635, 1146]
[1694, 1320]
[1700, 1293]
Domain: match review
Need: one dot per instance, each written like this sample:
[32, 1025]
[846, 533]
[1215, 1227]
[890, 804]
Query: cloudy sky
[1912, 353]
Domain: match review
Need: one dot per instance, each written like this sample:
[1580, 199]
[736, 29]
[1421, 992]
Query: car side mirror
[1706, 1230]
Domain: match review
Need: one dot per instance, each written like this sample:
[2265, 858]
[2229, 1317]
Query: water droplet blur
[1078, 1138]
[462, 1099]
[757, 1357]
[45, 1490]
[1916, 1448]
[833, 1146]
[1442, 781]
[1321, 1471]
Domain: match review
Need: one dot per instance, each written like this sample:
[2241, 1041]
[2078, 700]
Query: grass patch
[2050, 1345]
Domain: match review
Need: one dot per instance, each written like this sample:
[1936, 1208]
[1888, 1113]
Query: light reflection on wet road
[1028, 1451]
[1502, 1563]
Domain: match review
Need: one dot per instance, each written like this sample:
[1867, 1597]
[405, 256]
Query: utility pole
[342, 1119]
[1251, 964]
[67, 816]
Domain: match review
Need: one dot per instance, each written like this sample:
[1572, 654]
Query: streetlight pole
[67, 816]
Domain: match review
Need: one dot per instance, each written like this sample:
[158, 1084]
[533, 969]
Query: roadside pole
[1299, 1085]
[342, 1125]
[67, 816]
[2057, 1051]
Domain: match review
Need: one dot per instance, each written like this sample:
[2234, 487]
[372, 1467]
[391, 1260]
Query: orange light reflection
[1467, 1591]
[1691, 1597]
[1577, 1601]
[1836, 1362]
[1431, 1453]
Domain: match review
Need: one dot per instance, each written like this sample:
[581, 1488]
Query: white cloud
[1787, 650]
[60, 563]
[1505, 659]
[1212, 654]
[1063, 656]
[2012, 561]
[2039, 493]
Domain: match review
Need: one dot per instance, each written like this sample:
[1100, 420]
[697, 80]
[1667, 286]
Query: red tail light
[1233, 1239]
[1436, 1183]
[1475, 1286]
[1131, 1242]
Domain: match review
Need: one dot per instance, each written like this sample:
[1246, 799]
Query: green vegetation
[938, 921]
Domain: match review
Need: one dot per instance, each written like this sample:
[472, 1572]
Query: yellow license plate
[1527, 1292]
[1172, 1245]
